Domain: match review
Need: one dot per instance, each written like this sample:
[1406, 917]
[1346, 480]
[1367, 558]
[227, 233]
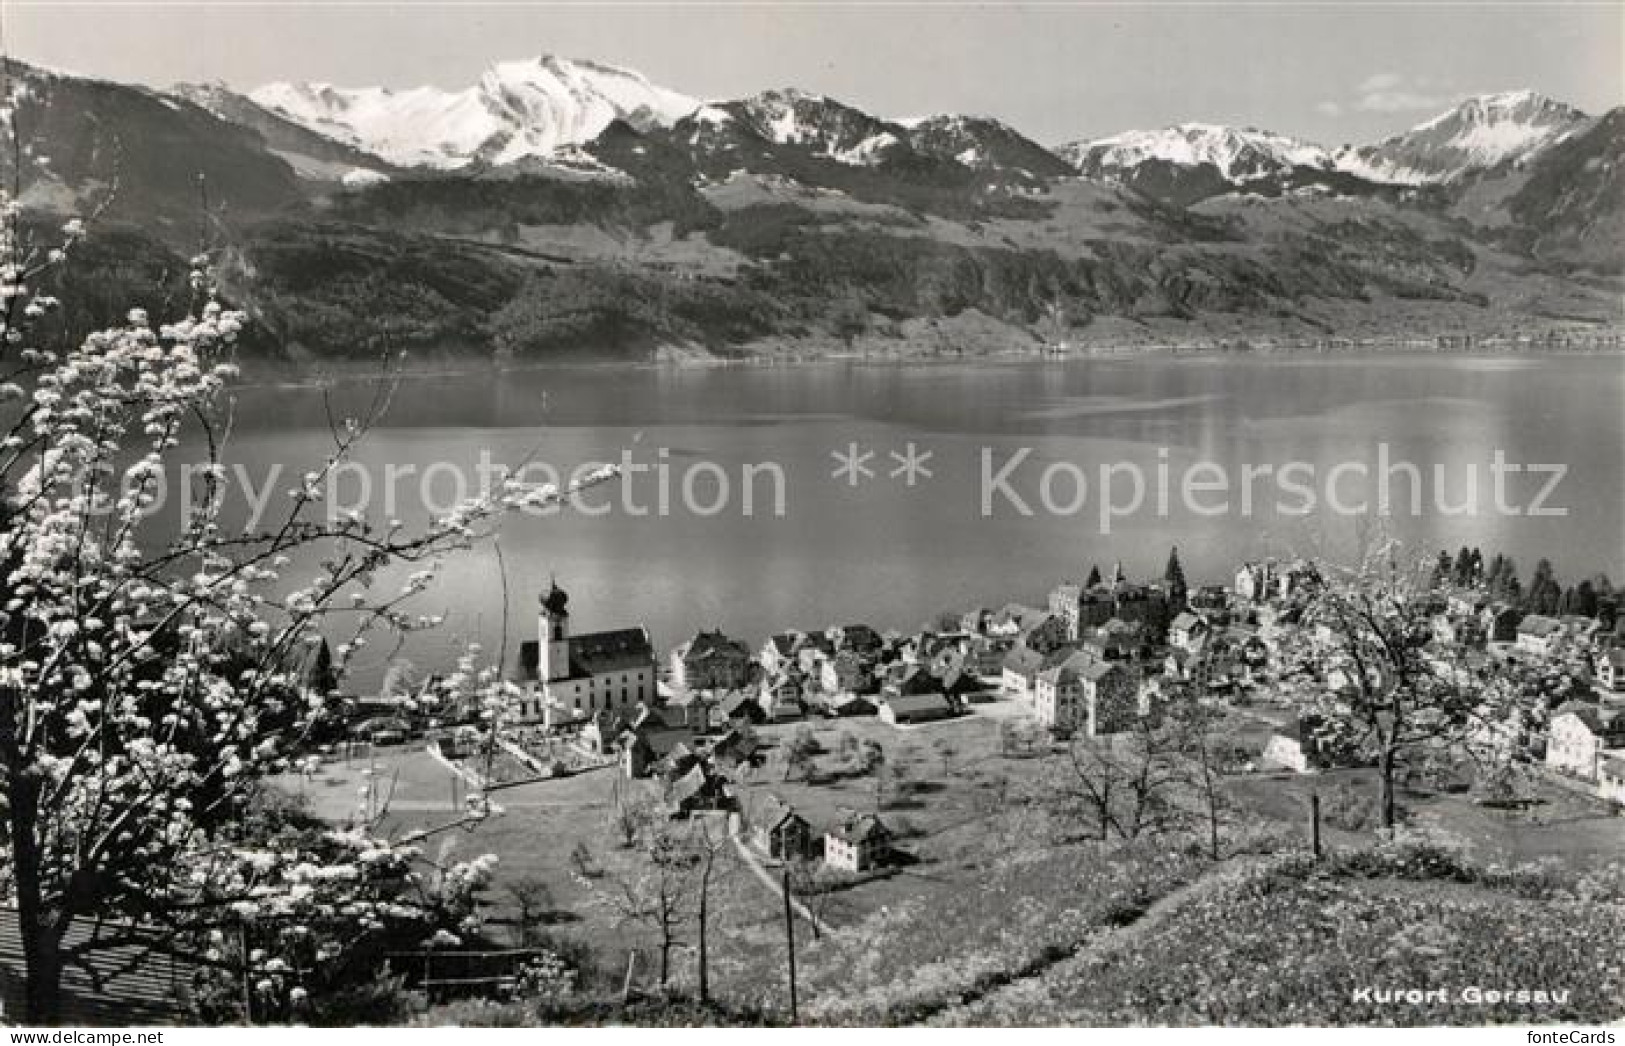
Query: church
[570, 678]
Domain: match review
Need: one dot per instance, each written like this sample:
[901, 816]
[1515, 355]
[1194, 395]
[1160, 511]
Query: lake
[1002, 515]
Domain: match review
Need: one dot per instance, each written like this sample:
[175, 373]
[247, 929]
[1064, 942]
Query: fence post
[631, 965]
[1314, 823]
[790, 944]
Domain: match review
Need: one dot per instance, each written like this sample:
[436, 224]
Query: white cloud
[1380, 82]
[1328, 108]
[1397, 93]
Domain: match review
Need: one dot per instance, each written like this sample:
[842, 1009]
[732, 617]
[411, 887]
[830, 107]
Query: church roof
[593, 653]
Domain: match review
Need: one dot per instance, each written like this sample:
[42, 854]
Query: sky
[1331, 72]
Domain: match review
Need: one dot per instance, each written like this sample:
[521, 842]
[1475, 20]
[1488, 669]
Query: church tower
[553, 634]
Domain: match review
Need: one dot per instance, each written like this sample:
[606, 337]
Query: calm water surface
[891, 554]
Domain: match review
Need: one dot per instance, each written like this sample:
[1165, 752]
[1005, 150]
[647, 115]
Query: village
[846, 754]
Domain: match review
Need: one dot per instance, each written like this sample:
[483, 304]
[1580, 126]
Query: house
[778, 831]
[1610, 669]
[781, 701]
[985, 659]
[849, 672]
[859, 639]
[1188, 632]
[857, 844]
[1611, 777]
[742, 706]
[1020, 670]
[1045, 633]
[1538, 634]
[779, 652]
[1254, 582]
[1579, 734]
[915, 708]
[843, 706]
[1459, 630]
[1057, 694]
[571, 677]
[699, 789]
[1501, 622]
[1109, 695]
[1295, 748]
[736, 749]
[1118, 640]
[1210, 600]
[1009, 620]
[644, 745]
[711, 661]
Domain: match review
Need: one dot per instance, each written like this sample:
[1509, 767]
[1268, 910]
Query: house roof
[1539, 625]
[1187, 620]
[595, 653]
[1023, 660]
[712, 645]
[692, 784]
[916, 704]
[774, 812]
[865, 828]
[1603, 723]
[1095, 671]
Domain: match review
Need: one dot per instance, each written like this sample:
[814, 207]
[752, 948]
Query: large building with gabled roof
[571, 678]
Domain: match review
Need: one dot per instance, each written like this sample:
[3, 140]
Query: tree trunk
[705, 909]
[790, 945]
[41, 931]
[1389, 809]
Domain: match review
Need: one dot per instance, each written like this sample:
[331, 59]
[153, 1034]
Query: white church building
[571, 678]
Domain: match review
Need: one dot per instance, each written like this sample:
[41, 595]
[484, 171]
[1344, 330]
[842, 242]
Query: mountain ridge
[791, 222]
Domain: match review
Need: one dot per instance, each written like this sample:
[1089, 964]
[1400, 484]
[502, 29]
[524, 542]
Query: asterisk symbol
[911, 464]
[853, 464]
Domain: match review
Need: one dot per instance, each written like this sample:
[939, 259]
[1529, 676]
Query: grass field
[995, 884]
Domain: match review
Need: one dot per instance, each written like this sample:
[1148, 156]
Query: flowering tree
[149, 685]
[1373, 675]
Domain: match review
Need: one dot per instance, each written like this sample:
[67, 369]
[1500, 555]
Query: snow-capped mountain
[1192, 161]
[1480, 133]
[828, 128]
[982, 144]
[1239, 154]
[517, 111]
[312, 155]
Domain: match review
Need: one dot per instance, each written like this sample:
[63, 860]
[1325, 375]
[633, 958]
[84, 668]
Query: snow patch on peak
[1239, 154]
[517, 110]
[1481, 132]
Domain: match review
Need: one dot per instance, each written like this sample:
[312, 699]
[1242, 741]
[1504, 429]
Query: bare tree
[1124, 784]
[658, 894]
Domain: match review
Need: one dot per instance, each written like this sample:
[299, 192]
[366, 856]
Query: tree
[658, 893]
[1094, 577]
[629, 815]
[1208, 750]
[1462, 574]
[707, 848]
[1443, 571]
[534, 900]
[149, 675]
[1122, 784]
[799, 751]
[1174, 575]
[1367, 672]
[1544, 591]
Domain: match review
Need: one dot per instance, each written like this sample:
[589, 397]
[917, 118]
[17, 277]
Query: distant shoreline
[260, 373]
